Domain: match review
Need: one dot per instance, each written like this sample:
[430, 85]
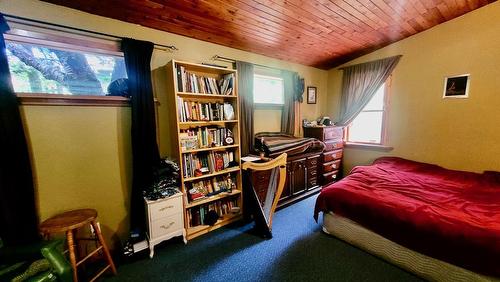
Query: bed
[441, 224]
[277, 143]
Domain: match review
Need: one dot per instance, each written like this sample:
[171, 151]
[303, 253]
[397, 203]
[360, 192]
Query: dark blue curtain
[145, 153]
[18, 217]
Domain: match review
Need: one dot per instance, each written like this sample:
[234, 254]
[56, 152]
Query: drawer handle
[167, 207]
[334, 176]
[334, 166]
[167, 226]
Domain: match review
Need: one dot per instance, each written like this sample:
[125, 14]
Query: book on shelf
[198, 214]
[191, 82]
[199, 111]
[198, 164]
[203, 137]
[209, 187]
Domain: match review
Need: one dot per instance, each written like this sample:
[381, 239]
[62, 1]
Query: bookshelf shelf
[200, 95]
[212, 198]
[207, 123]
[189, 109]
[231, 169]
[199, 230]
[211, 149]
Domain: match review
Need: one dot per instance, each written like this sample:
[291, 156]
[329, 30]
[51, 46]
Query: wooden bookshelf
[216, 148]
[182, 119]
[199, 230]
[225, 171]
[212, 198]
[207, 96]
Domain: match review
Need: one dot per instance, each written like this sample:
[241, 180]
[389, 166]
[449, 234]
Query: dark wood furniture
[331, 158]
[302, 178]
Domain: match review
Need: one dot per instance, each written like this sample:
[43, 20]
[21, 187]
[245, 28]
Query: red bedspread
[450, 215]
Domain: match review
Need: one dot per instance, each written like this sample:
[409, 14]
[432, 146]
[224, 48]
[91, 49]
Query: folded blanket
[276, 143]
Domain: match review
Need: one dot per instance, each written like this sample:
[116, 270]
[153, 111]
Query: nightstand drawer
[331, 166]
[330, 133]
[166, 225]
[165, 208]
[333, 155]
[333, 145]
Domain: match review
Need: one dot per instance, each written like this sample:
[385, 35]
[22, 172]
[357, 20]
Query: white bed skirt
[422, 265]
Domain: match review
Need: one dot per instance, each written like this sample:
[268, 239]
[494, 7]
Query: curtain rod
[33, 22]
[229, 60]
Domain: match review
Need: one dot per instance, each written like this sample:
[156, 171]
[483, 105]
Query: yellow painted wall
[456, 133]
[82, 155]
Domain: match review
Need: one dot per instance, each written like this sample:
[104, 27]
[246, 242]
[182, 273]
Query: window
[268, 90]
[36, 68]
[368, 126]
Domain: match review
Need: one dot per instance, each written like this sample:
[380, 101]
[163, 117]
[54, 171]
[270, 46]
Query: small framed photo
[312, 95]
[456, 86]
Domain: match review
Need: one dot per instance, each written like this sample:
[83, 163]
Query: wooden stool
[68, 222]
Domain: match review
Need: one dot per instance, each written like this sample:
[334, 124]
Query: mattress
[276, 143]
[420, 264]
[450, 215]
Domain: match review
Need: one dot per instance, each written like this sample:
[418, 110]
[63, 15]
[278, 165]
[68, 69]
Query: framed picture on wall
[312, 95]
[456, 86]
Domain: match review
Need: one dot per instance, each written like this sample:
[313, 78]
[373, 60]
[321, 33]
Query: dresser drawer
[330, 177]
[164, 226]
[312, 162]
[312, 172]
[333, 145]
[165, 208]
[311, 182]
[333, 155]
[331, 133]
[331, 166]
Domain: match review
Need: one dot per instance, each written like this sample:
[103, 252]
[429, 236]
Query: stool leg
[104, 247]
[72, 257]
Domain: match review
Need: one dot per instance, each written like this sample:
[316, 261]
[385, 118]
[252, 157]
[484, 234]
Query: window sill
[262, 106]
[367, 146]
[69, 100]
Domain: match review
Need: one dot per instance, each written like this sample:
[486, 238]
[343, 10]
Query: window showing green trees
[46, 70]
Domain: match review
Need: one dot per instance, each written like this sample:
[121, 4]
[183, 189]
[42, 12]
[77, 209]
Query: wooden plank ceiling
[318, 33]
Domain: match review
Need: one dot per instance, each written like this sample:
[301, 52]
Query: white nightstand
[165, 220]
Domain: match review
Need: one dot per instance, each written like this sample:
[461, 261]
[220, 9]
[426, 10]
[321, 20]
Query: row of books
[198, 215]
[206, 162]
[210, 187]
[196, 111]
[194, 83]
[204, 137]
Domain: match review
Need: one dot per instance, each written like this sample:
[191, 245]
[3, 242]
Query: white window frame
[383, 133]
[274, 77]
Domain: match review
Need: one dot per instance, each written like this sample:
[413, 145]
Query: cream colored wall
[456, 133]
[82, 155]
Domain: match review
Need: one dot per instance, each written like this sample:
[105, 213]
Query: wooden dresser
[302, 178]
[331, 158]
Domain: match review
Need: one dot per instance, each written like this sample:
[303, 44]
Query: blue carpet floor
[299, 251]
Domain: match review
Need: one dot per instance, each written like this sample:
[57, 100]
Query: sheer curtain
[359, 84]
[245, 93]
[145, 153]
[18, 215]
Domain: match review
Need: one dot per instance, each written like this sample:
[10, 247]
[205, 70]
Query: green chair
[38, 262]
